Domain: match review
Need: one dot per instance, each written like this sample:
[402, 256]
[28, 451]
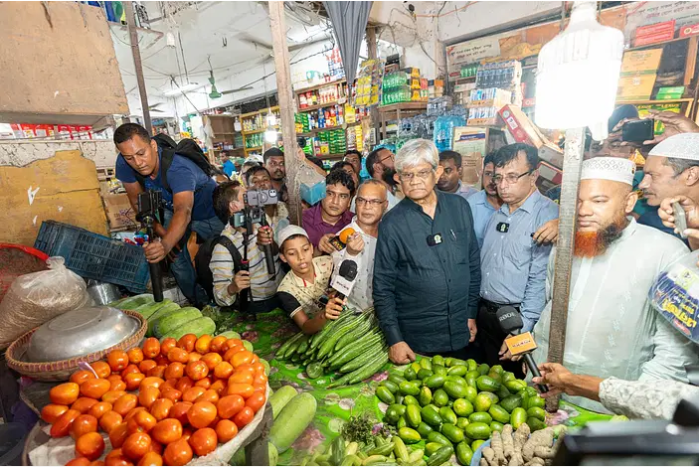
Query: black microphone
[511, 323]
[343, 281]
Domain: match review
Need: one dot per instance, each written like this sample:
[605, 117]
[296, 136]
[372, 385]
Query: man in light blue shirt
[513, 265]
[450, 181]
[485, 202]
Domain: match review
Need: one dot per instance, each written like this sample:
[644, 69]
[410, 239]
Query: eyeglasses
[390, 156]
[510, 179]
[369, 202]
[409, 176]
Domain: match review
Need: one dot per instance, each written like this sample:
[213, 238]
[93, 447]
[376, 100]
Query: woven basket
[62, 369]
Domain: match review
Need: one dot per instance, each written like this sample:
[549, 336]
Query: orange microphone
[340, 241]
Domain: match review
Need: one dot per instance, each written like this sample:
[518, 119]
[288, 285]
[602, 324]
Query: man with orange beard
[612, 329]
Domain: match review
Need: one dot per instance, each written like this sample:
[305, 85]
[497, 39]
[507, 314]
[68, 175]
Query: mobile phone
[680, 218]
[638, 130]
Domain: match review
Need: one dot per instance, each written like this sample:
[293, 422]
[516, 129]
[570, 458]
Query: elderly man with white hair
[427, 267]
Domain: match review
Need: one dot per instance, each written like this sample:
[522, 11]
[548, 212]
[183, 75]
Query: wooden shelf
[657, 44]
[318, 86]
[321, 106]
[257, 148]
[655, 101]
[249, 114]
[253, 132]
[417, 105]
[329, 128]
[330, 156]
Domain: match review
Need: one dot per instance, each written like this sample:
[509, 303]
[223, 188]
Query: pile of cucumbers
[379, 450]
[353, 345]
[457, 404]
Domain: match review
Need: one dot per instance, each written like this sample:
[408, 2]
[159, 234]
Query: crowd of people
[437, 259]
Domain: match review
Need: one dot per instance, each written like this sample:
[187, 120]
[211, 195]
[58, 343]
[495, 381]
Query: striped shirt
[263, 286]
[296, 294]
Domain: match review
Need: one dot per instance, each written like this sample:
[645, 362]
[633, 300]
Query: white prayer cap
[616, 169]
[290, 231]
[682, 146]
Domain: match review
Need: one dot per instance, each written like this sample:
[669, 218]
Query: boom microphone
[343, 281]
[511, 323]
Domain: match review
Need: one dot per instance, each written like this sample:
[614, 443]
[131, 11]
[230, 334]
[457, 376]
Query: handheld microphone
[511, 323]
[343, 281]
[340, 241]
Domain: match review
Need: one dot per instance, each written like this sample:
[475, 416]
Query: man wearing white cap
[612, 329]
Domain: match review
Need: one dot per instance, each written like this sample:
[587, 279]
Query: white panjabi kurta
[361, 296]
[612, 329]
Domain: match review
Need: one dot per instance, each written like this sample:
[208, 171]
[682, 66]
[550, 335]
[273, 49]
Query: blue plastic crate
[95, 256]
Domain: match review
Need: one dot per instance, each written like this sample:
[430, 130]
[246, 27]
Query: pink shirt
[316, 227]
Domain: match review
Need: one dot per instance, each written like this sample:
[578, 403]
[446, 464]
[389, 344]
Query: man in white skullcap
[612, 330]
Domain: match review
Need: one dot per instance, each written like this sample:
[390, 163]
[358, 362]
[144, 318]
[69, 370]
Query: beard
[592, 244]
[388, 176]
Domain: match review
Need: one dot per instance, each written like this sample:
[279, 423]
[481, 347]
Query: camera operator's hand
[334, 307]
[155, 251]
[674, 125]
[324, 244]
[241, 281]
[355, 244]
[265, 236]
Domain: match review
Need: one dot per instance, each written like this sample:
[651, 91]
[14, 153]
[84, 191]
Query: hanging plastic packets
[675, 295]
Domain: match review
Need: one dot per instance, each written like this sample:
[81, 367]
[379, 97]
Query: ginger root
[483, 462]
[536, 461]
[520, 437]
[541, 438]
[489, 456]
[516, 459]
[508, 447]
[496, 444]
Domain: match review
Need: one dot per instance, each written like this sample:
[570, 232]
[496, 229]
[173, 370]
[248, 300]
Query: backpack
[205, 277]
[186, 148]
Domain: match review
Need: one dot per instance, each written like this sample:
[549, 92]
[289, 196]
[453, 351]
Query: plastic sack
[311, 185]
[675, 295]
[35, 298]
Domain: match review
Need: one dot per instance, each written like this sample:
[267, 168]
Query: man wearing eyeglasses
[427, 270]
[274, 163]
[513, 265]
[380, 163]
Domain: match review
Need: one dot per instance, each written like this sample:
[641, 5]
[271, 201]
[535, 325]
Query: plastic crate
[95, 256]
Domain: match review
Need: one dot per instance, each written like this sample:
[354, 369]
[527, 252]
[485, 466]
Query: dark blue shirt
[425, 295]
[183, 175]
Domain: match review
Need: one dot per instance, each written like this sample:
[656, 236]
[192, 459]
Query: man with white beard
[612, 329]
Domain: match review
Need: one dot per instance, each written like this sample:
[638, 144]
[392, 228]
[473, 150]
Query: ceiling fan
[215, 93]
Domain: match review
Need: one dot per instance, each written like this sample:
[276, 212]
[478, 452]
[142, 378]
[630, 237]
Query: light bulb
[271, 119]
[271, 136]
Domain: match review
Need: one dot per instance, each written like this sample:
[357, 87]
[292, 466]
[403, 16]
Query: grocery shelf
[245, 133]
[261, 111]
[329, 128]
[321, 106]
[256, 148]
[417, 105]
[318, 86]
[654, 101]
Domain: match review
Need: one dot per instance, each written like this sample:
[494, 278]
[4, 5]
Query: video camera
[150, 205]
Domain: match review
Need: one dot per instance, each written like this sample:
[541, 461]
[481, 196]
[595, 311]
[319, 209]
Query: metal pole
[286, 106]
[572, 166]
[136, 52]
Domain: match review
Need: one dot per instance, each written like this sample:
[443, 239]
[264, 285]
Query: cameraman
[258, 178]
[227, 283]
[188, 203]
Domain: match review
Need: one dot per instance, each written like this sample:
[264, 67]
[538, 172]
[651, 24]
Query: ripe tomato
[51, 412]
[223, 370]
[259, 388]
[161, 408]
[112, 396]
[117, 360]
[79, 461]
[193, 357]
[217, 343]
[187, 342]
[170, 393]
[155, 446]
[136, 446]
[100, 409]
[109, 420]
[130, 368]
[125, 403]
[151, 458]
[158, 371]
[197, 370]
[167, 431]
[101, 368]
[133, 380]
[118, 435]
[243, 417]
[226, 430]
[167, 344]
[135, 355]
[241, 358]
[241, 378]
[81, 375]
[184, 383]
[201, 414]
[90, 445]
[204, 383]
[174, 370]
[151, 381]
[260, 380]
[64, 394]
[230, 405]
[142, 421]
[228, 356]
[256, 401]
[203, 344]
[186, 434]
[116, 457]
[179, 411]
[176, 354]
[209, 396]
[83, 424]
[192, 394]
[259, 369]
[178, 453]
[247, 367]
[151, 347]
[169, 383]
[162, 360]
[244, 390]
[147, 395]
[61, 427]
[132, 413]
[212, 359]
[83, 404]
[98, 462]
[203, 441]
[218, 386]
[146, 365]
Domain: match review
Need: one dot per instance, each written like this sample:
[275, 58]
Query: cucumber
[453, 433]
[172, 321]
[400, 450]
[393, 387]
[361, 360]
[441, 456]
[292, 421]
[519, 416]
[385, 395]
[314, 370]
[281, 350]
[464, 453]
[197, 326]
[409, 435]
[349, 353]
[291, 350]
[338, 450]
[478, 430]
[280, 398]
[354, 334]
[364, 372]
[499, 414]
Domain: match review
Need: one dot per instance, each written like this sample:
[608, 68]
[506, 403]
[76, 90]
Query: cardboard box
[119, 212]
[471, 143]
[635, 88]
[524, 131]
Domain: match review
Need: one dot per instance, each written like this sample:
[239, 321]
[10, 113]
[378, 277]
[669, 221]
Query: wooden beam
[572, 166]
[136, 52]
[373, 110]
[286, 106]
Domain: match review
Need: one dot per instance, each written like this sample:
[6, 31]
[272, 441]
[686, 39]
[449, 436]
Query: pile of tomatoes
[159, 404]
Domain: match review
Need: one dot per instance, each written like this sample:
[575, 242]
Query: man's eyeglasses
[409, 176]
[510, 179]
[390, 156]
[369, 202]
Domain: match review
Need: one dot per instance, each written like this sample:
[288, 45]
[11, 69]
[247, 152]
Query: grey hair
[415, 151]
[371, 181]
[680, 165]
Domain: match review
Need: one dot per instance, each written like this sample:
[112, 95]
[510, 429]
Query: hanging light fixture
[578, 74]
